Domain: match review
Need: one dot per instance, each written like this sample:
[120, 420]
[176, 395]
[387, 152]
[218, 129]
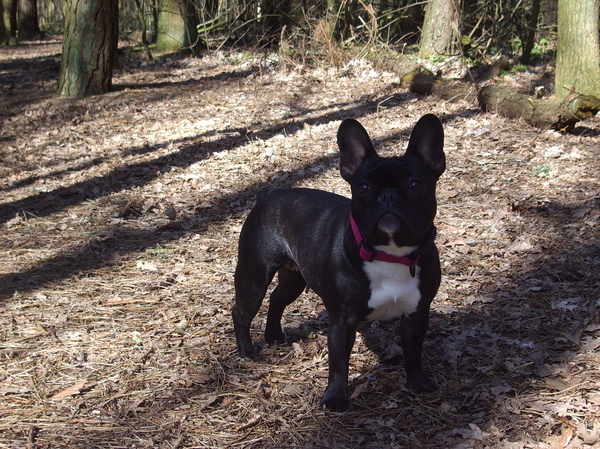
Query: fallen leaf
[71, 391]
[472, 433]
[561, 441]
[482, 299]
[580, 213]
[555, 384]
[359, 389]
[149, 266]
[251, 423]
[589, 436]
[202, 378]
[501, 389]
[13, 390]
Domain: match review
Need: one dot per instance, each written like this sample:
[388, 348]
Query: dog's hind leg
[251, 283]
[291, 285]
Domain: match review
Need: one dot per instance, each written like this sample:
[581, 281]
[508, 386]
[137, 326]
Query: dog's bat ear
[427, 143]
[355, 147]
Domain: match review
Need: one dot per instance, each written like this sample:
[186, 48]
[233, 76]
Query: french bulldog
[370, 257]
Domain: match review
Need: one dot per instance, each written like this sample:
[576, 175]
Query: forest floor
[120, 216]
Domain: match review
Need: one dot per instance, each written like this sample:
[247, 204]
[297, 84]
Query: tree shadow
[78, 258]
[22, 83]
[140, 173]
[28, 81]
[480, 360]
[56, 173]
[223, 77]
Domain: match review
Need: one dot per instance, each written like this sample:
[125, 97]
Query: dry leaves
[120, 217]
[70, 391]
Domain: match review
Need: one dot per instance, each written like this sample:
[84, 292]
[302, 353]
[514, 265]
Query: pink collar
[368, 253]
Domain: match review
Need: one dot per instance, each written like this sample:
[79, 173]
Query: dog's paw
[275, 338]
[422, 384]
[335, 401]
[249, 352]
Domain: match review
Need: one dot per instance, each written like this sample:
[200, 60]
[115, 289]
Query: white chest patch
[394, 292]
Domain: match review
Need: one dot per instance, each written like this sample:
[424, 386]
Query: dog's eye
[364, 188]
[415, 184]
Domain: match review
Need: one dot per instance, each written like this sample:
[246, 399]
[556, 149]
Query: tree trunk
[177, 24]
[410, 23]
[89, 47]
[292, 14]
[578, 48]
[531, 32]
[7, 25]
[13, 22]
[441, 28]
[144, 26]
[558, 114]
[3, 30]
[423, 82]
[27, 20]
[541, 113]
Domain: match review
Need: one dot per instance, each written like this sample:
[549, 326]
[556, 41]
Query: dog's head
[393, 198]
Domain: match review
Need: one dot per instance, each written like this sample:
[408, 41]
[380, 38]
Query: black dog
[369, 257]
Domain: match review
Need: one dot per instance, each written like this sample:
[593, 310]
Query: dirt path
[120, 216]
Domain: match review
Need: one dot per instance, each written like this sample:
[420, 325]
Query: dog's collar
[368, 253]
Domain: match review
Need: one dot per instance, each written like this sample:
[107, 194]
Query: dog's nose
[388, 197]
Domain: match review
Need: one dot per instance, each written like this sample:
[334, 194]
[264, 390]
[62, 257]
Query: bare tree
[89, 47]
[177, 26]
[7, 22]
[441, 28]
[27, 20]
[578, 52]
[531, 31]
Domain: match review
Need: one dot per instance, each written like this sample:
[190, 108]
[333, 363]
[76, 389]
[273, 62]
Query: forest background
[124, 188]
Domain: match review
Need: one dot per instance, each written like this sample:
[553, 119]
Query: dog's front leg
[413, 331]
[340, 340]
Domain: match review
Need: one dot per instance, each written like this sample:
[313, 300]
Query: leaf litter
[120, 217]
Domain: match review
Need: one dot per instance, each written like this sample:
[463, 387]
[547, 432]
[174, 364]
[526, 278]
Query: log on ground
[540, 113]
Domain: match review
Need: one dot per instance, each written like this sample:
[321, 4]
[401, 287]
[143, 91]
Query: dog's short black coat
[305, 237]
